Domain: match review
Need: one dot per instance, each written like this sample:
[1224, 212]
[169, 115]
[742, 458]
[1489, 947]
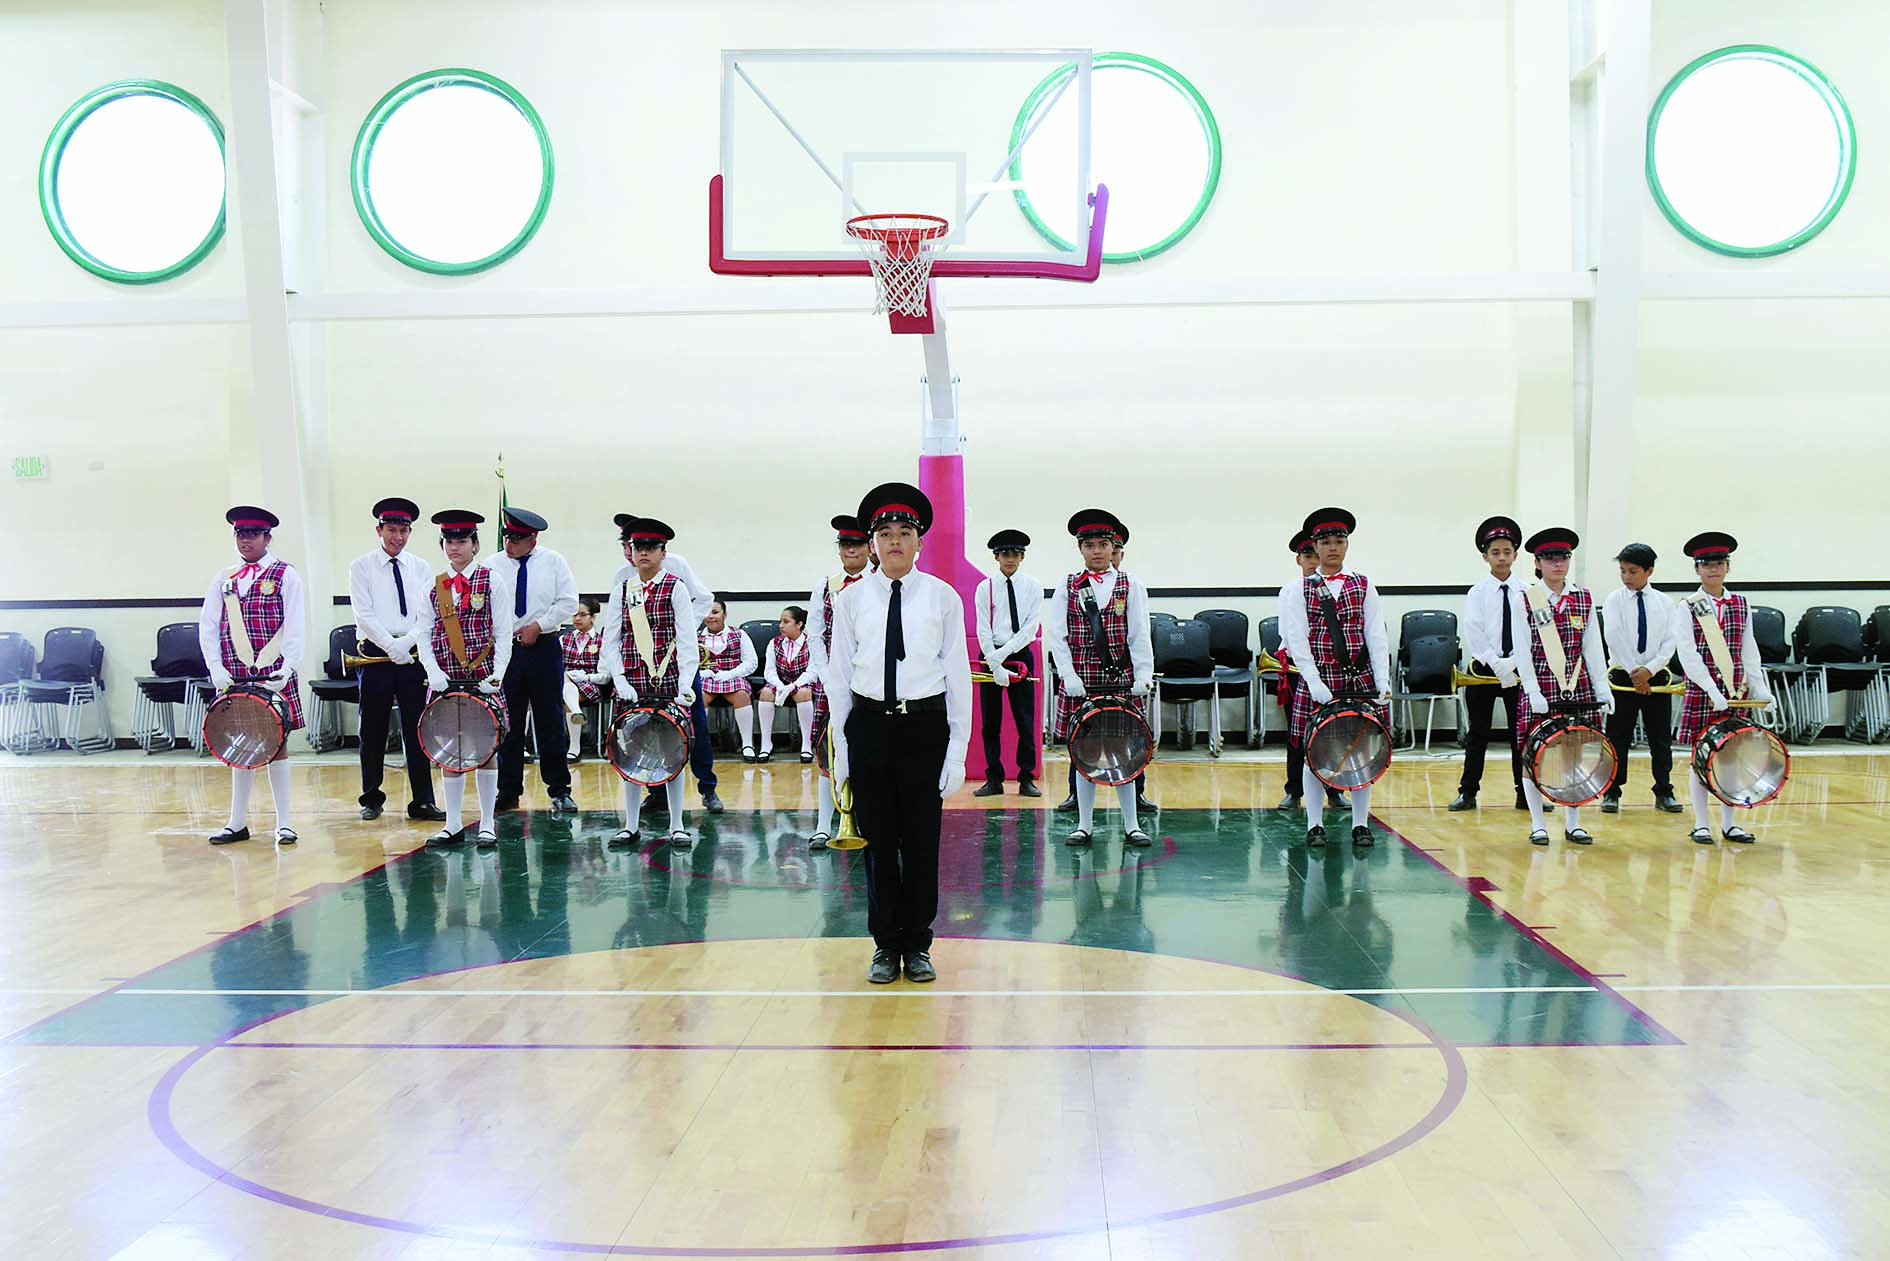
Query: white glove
[1073, 686]
[600, 678]
[624, 691]
[1538, 703]
[1140, 687]
[220, 678]
[436, 679]
[1719, 701]
[491, 684]
[1383, 698]
[1507, 679]
[576, 676]
[838, 761]
[1317, 689]
[1001, 675]
[1607, 701]
[951, 778]
[400, 652]
[686, 696]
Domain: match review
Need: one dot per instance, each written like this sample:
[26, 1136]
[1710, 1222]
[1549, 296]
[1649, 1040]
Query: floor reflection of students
[263, 957]
[1114, 923]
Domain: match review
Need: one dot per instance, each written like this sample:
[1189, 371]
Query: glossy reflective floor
[1450, 1044]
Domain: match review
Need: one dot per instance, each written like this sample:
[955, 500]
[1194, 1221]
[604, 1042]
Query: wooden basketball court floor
[1450, 1045]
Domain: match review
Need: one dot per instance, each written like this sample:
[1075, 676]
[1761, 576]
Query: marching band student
[1711, 622]
[470, 641]
[1334, 627]
[1637, 629]
[387, 589]
[701, 754]
[1096, 630]
[650, 652]
[1301, 545]
[1565, 661]
[789, 670]
[728, 662]
[250, 630]
[1005, 626]
[1142, 803]
[1489, 636]
[544, 593]
[855, 547]
[900, 685]
[581, 645]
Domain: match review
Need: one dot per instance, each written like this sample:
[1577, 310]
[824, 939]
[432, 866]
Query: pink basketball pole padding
[942, 478]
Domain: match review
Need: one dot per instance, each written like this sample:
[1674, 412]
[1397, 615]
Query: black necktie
[400, 588]
[1509, 636]
[1640, 613]
[1010, 593]
[895, 644]
[518, 597]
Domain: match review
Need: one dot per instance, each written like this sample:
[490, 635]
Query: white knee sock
[576, 724]
[1571, 817]
[1085, 805]
[1726, 816]
[1125, 801]
[486, 783]
[824, 822]
[1361, 806]
[1700, 796]
[767, 725]
[279, 791]
[453, 788]
[745, 723]
[804, 710]
[1533, 796]
[240, 784]
[1314, 790]
[632, 802]
[676, 804]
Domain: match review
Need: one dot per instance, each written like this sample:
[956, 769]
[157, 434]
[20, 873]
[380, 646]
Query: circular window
[452, 172]
[1750, 151]
[1153, 141]
[131, 181]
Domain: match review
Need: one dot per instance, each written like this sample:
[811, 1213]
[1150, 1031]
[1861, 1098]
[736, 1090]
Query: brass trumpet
[1459, 679]
[351, 662]
[845, 835]
[1623, 683]
[1269, 662]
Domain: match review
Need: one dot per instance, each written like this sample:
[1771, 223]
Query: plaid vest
[582, 654]
[662, 614]
[262, 616]
[1572, 614]
[785, 668]
[1351, 602]
[475, 626]
[1734, 614]
[1085, 653]
[729, 655]
[826, 606]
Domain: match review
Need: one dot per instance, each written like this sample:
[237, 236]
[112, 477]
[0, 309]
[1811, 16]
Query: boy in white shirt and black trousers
[1007, 616]
[388, 589]
[899, 681]
[855, 548]
[1637, 627]
[1490, 638]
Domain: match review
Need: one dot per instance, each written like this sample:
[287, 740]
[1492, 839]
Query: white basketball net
[899, 250]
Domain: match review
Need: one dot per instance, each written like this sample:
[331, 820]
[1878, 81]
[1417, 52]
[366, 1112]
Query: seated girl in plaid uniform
[789, 669]
[728, 662]
[582, 645]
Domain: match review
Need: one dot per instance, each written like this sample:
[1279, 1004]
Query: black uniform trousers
[381, 686]
[1479, 707]
[893, 764]
[1655, 710]
[534, 683]
[1023, 717]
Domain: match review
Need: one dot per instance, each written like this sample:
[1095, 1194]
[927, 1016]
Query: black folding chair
[339, 686]
[1184, 674]
[71, 678]
[176, 671]
[1234, 672]
[1429, 650]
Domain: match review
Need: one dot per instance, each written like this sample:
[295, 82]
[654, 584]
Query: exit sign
[30, 468]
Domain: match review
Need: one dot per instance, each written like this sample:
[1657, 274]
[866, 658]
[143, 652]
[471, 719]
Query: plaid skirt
[717, 687]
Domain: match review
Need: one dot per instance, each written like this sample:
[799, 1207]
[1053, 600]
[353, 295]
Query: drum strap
[1334, 631]
[1707, 615]
[239, 630]
[447, 602]
[1542, 614]
[1093, 616]
[644, 636]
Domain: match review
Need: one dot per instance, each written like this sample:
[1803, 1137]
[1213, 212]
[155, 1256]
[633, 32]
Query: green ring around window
[1840, 116]
[55, 152]
[364, 151]
[1146, 65]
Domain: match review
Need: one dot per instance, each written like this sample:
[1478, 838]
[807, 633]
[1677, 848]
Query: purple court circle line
[644, 855]
[164, 1128]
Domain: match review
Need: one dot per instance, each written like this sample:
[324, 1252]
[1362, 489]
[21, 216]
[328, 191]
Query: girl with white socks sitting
[728, 662]
[790, 673]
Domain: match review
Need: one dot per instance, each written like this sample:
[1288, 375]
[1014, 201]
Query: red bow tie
[849, 580]
[247, 570]
[461, 587]
[1097, 575]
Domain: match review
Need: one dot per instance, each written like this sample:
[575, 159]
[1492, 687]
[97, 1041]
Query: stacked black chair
[71, 677]
[176, 673]
[16, 667]
[338, 686]
[1829, 639]
[1428, 652]
[1184, 674]
[1234, 673]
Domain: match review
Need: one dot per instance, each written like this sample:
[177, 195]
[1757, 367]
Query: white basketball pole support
[941, 433]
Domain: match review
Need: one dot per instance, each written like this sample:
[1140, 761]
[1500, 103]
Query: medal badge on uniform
[1575, 621]
[1122, 604]
[476, 601]
[268, 586]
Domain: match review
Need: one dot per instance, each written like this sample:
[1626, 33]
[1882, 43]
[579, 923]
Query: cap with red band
[1555, 539]
[1329, 521]
[1711, 545]
[896, 501]
[1495, 528]
[457, 523]
[396, 511]
[1093, 523]
[643, 530]
[847, 529]
[1301, 541]
[522, 521]
[250, 517]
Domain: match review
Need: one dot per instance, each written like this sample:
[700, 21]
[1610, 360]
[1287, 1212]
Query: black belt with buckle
[913, 705]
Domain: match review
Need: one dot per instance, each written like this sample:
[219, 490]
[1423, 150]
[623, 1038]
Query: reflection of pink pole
[942, 478]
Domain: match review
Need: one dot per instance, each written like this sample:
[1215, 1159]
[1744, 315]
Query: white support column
[942, 434]
[1610, 144]
[271, 402]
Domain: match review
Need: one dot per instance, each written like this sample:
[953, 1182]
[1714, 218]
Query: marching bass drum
[1110, 742]
[1570, 761]
[462, 728]
[1348, 745]
[246, 726]
[649, 744]
[1741, 762]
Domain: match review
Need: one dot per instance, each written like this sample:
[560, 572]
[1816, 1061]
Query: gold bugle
[845, 835]
[351, 662]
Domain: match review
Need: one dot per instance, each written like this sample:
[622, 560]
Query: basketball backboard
[813, 137]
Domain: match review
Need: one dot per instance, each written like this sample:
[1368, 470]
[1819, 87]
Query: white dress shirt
[1620, 628]
[817, 619]
[992, 613]
[1296, 634]
[294, 616]
[1594, 655]
[376, 603]
[1758, 687]
[932, 618]
[551, 593]
[1483, 624]
[1056, 630]
[700, 596]
[716, 643]
[610, 656]
[499, 600]
[800, 661]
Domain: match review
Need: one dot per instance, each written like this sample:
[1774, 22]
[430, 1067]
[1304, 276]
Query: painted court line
[929, 992]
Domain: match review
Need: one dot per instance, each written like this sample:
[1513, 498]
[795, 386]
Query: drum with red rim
[462, 728]
[649, 744]
[1570, 761]
[1741, 762]
[1348, 745]
[1110, 742]
[246, 726]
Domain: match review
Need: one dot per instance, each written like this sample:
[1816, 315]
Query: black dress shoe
[505, 802]
[428, 811]
[919, 967]
[884, 969]
[1143, 803]
[1291, 801]
[370, 812]
[1465, 801]
[564, 804]
[1611, 805]
[229, 836]
[1666, 802]
[1362, 837]
[1028, 788]
[989, 788]
[711, 802]
[1316, 837]
[1068, 803]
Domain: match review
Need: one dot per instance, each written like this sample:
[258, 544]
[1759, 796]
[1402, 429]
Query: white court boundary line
[933, 993]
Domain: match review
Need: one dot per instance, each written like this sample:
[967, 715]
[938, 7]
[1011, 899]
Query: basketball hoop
[898, 249]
